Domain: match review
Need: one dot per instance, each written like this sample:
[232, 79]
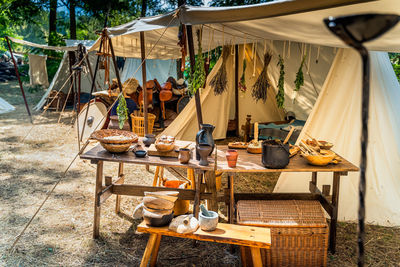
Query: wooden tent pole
[237, 88]
[189, 34]
[19, 79]
[115, 65]
[90, 70]
[145, 100]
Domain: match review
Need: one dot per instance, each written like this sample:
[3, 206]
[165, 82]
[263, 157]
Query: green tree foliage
[237, 2]
[395, 59]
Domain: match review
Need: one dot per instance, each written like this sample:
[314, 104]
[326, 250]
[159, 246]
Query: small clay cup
[149, 139]
[231, 157]
[184, 155]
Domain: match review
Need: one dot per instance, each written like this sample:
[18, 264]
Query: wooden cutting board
[152, 150]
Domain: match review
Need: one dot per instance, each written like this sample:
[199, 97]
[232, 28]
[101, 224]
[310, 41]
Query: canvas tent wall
[185, 125]
[155, 69]
[5, 107]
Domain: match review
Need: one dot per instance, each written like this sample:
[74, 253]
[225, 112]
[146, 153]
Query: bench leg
[153, 260]
[118, 198]
[243, 256]
[256, 256]
[148, 250]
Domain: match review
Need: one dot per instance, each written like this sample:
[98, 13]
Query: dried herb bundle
[242, 82]
[280, 96]
[261, 86]
[199, 74]
[299, 82]
[219, 81]
[122, 111]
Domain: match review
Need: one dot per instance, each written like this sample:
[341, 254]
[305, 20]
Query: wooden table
[98, 155]
[251, 163]
[250, 236]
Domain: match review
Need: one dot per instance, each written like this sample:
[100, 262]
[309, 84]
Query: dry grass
[61, 234]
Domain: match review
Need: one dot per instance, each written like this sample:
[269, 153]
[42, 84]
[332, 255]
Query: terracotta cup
[231, 157]
[184, 155]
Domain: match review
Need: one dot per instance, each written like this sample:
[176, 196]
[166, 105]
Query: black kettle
[275, 155]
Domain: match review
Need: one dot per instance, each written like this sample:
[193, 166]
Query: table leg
[148, 250]
[256, 256]
[212, 204]
[153, 260]
[335, 204]
[231, 209]
[118, 198]
[99, 180]
[196, 203]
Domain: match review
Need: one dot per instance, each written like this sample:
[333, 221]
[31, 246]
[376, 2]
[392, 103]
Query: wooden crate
[299, 231]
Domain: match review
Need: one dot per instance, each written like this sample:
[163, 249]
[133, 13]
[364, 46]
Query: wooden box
[299, 231]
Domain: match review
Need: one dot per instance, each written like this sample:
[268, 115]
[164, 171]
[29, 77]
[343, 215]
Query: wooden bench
[250, 236]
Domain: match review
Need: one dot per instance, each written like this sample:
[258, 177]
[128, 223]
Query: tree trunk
[52, 22]
[144, 8]
[72, 20]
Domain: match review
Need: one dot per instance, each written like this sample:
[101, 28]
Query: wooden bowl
[158, 203]
[164, 147]
[114, 136]
[320, 160]
[254, 150]
[116, 148]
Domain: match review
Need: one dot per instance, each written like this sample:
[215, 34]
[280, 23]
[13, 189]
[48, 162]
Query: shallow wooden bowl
[254, 150]
[116, 148]
[105, 136]
[320, 160]
[162, 147]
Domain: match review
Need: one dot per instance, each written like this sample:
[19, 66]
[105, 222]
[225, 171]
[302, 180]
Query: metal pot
[274, 155]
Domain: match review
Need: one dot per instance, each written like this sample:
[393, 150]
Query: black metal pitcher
[204, 137]
[275, 155]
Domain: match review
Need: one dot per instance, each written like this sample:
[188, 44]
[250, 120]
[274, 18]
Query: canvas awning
[247, 24]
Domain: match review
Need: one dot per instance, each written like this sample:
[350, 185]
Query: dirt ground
[61, 234]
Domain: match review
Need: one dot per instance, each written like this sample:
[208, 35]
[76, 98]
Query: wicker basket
[138, 124]
[299, 231]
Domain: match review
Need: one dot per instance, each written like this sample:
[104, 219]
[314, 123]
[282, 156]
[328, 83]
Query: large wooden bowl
[320, 160]
[114, 136]
[164, 147]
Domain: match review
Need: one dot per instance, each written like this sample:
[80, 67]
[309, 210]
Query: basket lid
[277, 213]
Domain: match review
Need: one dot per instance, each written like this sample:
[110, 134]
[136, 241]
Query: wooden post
[78, 108]
[189, 34]
[115, 64]
[335, 204]
[122, 177]
[145, 101]
[237, 88]
[19, 79]
[99, 181]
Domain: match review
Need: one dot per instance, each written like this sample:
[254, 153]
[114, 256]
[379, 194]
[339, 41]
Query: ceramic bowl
[140, 153]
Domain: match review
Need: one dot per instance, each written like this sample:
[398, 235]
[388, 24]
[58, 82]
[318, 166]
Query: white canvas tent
[155, 69]
[5, 107]
[302, 22]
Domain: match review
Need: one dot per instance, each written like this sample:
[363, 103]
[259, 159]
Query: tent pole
[90, 70]
[237, 89]
[115, 64]
[192, 65]
[94, 79]
[145, 100]
[19, 79]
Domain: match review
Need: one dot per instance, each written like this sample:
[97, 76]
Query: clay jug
[204, 137]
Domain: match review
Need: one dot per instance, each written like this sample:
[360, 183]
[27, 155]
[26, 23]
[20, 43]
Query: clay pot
[184, 155]
[231, 157]
[149, 139]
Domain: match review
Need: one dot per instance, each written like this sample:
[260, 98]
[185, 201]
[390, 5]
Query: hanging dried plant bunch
[263, 83]
[280, 96]
[199, 74]
[242, 82]
[219, 81]
[299, 81]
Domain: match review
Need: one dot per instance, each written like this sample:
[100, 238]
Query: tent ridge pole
[189, 34]
[144, 79]
[19, 79]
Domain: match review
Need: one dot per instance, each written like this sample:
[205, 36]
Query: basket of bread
[318, 152]
[115, 140]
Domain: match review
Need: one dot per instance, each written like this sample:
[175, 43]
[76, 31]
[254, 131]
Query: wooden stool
[249, 236]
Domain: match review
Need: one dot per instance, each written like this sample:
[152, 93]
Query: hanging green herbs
[122, 111]
[299, 82]
[280, 96]
[219, 81]
[199, 75]
[263, 83]
[242, 82]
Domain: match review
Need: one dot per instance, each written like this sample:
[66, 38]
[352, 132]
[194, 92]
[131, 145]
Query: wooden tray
[237, 146]
[152, 150]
